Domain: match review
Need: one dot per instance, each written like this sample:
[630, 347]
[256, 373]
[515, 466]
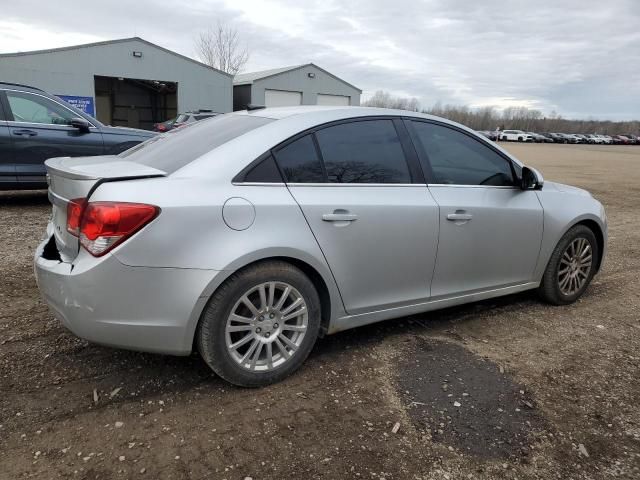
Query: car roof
[226, 160]
[28, 87]
[278, 113]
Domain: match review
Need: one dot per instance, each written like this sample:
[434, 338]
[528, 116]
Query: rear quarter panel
[190, 231]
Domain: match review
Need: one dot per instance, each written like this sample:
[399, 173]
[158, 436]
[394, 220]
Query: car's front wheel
[260, 325]
[571, 267]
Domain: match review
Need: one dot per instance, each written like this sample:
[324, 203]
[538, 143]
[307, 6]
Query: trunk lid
[76, 178]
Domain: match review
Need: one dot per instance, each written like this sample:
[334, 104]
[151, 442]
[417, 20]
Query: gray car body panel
[382, 265]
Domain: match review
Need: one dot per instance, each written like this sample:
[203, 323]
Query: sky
[578, 58]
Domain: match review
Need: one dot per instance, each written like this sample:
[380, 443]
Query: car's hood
[561, 187]
[128, 131]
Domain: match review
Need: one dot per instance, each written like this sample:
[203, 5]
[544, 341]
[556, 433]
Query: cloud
[576, 57]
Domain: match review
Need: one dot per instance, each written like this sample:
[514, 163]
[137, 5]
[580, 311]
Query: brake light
[107, 224]
[74, 215]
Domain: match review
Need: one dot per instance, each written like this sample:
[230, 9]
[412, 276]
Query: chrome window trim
[471, 186]
[360, 185]
[259, 184]
[325, 184]
[51, 99]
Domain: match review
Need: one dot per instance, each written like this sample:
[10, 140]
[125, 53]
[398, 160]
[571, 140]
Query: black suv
[35, 126]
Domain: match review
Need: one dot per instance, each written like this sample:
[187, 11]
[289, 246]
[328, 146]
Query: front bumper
[138, 308]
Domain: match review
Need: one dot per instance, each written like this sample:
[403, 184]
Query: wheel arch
[599, 234]
[330, 301]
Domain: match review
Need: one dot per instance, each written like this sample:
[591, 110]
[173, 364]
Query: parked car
[515, 136]
[571, 138]
[165, 126]
[35, 126]
[620, 140]
[192, 117]
[249, 235]
[595, 139]
[633, 140]
[491, 135]
[606, 139]
[555, 137]
[539, 138]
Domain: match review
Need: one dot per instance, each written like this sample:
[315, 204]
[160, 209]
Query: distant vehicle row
[551, 137]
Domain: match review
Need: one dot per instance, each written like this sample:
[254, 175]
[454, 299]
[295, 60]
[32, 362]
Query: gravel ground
[507, 388]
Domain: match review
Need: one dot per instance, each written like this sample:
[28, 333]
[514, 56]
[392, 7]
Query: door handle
[27, 133]
[459, 216]
[339, 217]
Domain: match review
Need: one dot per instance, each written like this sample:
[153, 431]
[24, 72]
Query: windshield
[175, 149]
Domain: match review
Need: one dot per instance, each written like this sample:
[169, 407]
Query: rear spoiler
[108, 167]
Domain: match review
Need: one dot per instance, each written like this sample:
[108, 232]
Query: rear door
[368, 208]
[40, 129]
[7, 167]
[490, 230]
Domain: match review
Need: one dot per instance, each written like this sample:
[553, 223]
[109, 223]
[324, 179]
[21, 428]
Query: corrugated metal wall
[72, 71]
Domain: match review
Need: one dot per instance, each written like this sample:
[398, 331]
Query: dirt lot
[508, 388]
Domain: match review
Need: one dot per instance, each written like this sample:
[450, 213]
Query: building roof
[111, 42]
[250, 77]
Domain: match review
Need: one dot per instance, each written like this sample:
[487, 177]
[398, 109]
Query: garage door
[282, 98]
[326, 99]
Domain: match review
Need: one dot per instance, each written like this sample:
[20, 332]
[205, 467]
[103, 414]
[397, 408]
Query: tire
[519, 139]
[551, 289]
[212, 337]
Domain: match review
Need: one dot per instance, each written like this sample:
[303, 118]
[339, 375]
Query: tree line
[518, 118]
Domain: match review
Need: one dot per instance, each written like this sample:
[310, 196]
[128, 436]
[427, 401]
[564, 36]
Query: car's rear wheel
[571, 267]
[260, 325]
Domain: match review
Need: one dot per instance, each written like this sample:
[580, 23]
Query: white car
[516, 136]
[606, 139]
[597, 139]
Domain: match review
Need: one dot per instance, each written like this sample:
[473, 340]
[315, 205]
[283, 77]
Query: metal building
[126, 82]
[298, 85]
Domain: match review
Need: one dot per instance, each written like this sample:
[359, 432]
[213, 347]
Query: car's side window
[299, 161]
[367, 151]
[266, 171]
[30, 108]
[458, 159]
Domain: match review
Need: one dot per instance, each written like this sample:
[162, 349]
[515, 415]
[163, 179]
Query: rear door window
[367, 151]
[299, 161]
[177, 148]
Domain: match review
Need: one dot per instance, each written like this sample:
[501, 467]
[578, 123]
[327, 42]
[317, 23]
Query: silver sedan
[250, 235]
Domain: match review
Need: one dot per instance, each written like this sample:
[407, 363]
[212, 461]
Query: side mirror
[531, 179]
[81, 124]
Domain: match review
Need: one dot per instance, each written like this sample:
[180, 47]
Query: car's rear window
[175, 149]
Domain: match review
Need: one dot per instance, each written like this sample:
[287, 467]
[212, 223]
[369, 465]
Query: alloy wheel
[575, 266]
[266, 326]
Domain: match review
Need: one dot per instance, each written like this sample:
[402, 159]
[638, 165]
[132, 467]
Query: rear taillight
[74, 215]
[107, 224]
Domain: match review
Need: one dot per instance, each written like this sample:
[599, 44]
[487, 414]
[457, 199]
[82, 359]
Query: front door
[489, 238]
[40, 129]
[490, 230]
[7, 166]
[377, 229]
